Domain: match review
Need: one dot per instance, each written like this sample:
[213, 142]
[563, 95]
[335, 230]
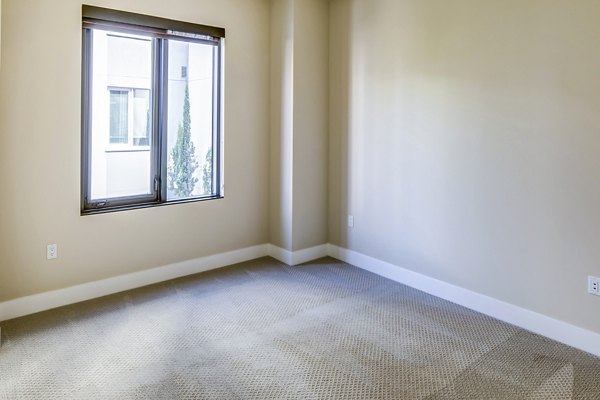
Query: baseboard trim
[283, 255]
[299, 256]
[57, 298]
[560, 331]
[45, 301]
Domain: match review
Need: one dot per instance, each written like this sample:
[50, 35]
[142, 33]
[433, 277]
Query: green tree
[207, 173]
[183, 156]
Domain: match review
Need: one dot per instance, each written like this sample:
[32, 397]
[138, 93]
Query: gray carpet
[262, 330]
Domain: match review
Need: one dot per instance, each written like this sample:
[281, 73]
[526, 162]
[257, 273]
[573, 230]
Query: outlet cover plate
[52, 251]
[594, 285]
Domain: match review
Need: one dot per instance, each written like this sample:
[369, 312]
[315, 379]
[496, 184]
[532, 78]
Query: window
[129, 116]
[119, 116]
[151, 111]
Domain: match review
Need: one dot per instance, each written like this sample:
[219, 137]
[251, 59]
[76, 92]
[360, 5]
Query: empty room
[300, 199]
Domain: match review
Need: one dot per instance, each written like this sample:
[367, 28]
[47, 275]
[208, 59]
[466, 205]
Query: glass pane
[190, 120]
[118, 116]
[121, 107]
[141, 117]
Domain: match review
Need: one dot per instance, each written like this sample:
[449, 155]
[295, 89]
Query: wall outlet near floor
[52, 251]
[594, 285]
[350, 221]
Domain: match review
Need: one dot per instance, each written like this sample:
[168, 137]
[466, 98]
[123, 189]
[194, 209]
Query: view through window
[151, 112]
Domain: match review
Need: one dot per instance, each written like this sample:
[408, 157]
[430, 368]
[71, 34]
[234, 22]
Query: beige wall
[471, 152]
[0, 35]
[282, 123]
[339, 117]
[299, 123]
[40, 151]
[310, 123]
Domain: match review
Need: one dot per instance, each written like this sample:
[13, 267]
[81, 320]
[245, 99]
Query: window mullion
[86, 106]
[159, 109]
[215, 122]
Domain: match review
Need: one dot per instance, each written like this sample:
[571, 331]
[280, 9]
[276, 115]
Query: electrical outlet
[594, 285]
[350, 221]
[52, 251]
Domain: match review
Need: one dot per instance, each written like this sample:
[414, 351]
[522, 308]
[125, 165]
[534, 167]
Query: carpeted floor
[262, 330]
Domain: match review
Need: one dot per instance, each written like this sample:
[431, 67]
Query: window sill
[109, 209]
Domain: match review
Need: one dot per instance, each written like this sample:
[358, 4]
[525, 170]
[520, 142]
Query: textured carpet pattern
[262, 330]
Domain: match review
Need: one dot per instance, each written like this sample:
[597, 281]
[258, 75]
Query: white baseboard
[45, 301]
[283, 255]
[554, 329]
[310, 254]
[560, 331]
[299, 256]
[74, 294]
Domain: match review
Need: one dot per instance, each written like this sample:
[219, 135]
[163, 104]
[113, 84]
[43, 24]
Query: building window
[119, 116]
[151, 111]
[129, 116]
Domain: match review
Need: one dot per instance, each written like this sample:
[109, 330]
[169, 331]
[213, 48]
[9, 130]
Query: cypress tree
[183, 156]
[207, 173]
